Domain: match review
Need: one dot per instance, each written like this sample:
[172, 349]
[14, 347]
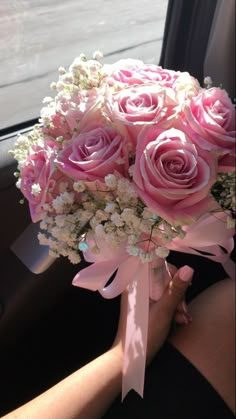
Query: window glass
[38, 36]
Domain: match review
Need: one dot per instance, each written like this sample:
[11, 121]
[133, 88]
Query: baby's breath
[224, 192]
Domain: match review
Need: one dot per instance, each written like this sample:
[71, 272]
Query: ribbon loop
[124, 275]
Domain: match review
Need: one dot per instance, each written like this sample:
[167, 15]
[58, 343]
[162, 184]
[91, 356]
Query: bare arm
[88, 392]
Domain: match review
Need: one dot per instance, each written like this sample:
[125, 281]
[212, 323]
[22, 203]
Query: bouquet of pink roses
[129, 162]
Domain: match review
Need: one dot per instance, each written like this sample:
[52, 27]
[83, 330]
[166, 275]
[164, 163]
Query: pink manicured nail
[185, 273]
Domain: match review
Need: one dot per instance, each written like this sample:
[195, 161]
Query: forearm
[87, 393]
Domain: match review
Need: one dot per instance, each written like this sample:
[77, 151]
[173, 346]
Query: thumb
[178, 286]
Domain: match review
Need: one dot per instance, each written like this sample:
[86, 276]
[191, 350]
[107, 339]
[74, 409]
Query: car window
[38, 36]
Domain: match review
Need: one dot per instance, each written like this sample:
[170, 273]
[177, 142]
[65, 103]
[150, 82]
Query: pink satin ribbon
[207, 235]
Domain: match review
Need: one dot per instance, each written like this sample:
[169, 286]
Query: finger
[182, 307]
[180, 318]
[177, 287]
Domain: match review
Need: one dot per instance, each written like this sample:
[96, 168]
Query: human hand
[161, 312]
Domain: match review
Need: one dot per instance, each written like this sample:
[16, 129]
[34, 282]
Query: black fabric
[174, 389]
[186, 35]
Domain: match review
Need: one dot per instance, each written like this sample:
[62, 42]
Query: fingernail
[185, 273]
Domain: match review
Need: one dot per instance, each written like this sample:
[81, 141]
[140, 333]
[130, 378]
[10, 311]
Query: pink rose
[173, 177]
[131, 72]
[39, 172]
[124, 72]
[97, 151]
[211, 120]
[154, 73]
[141, 105]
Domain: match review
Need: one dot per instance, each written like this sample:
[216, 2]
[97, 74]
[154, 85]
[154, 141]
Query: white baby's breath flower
[82, 57]
[63, 186]
[132, 239]
[18, 183]
[43, 225]
[35, 189]
[59, 233]
[50, 220]
[180, 233]
[208, 82]
[147, 214]
[59, 139]
[110, 207]
[60, 85]
[79, 186]
[100, 216]
[146, 257]
[84, 216]
[230, 222]
[97, 55]
[116, 219]
[47, 207]
[111, 181]
[90, 206]
[53, 86]
[123, 185]
[43, 239]
[113, 240]
[47, 100]
[131, 170]
[74, 257]
[166, 238]
[61, 70]
[162, 252]
[128, 215]
[58, 204]
[65, 199]
[121, 233]
[145, 226]
[109, 227]
[93, 82]
[133, 250]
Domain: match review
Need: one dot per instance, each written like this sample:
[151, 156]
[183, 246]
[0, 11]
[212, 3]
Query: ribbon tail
[136, 332]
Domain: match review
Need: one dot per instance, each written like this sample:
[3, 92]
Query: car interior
[48, 328]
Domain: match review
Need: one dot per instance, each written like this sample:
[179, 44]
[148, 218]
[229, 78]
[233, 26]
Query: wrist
[118, 353]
